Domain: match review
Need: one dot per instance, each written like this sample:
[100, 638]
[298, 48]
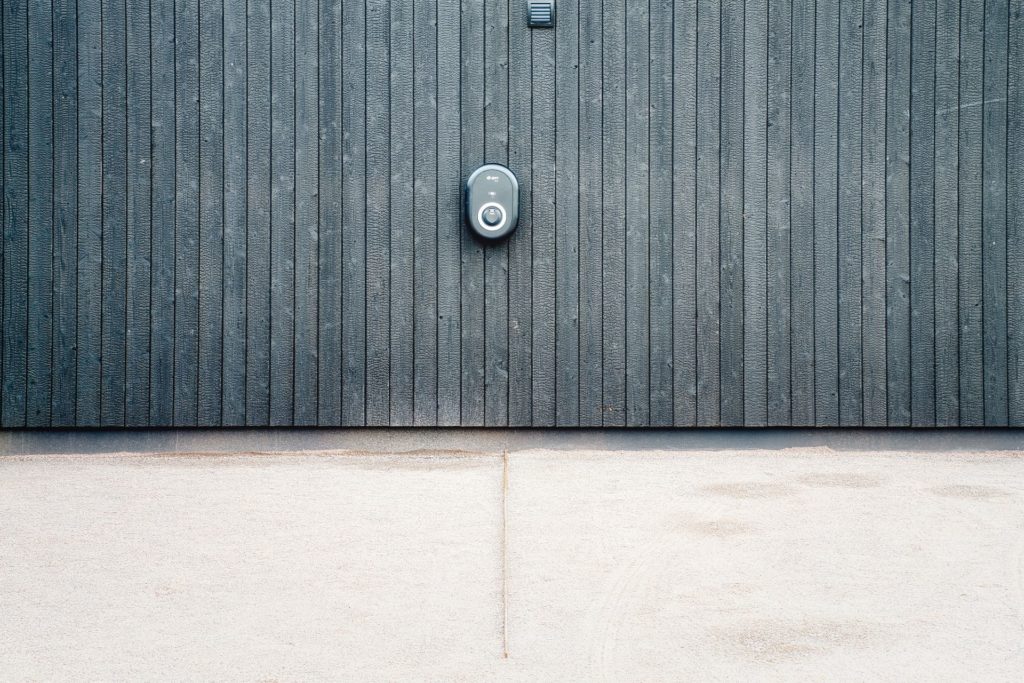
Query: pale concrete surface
[781, 565]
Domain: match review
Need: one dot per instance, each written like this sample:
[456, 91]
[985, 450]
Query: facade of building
[731, 213]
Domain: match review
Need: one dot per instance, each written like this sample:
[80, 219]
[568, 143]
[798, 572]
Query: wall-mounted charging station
[492, 202]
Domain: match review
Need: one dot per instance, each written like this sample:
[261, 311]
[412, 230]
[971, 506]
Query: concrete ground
[548, 565]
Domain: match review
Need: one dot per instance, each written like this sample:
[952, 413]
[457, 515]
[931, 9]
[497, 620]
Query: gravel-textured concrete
[794, 564]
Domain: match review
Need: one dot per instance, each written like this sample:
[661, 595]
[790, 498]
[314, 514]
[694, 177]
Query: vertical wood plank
[449, 223]
[472, 267]
[354, 214]
[3, 210]
[115, 179]
[403, 217]
[140, 211]
[163, 157]
[186, 275]
[235, 153]
[850, 226]
[897, 212]
[591, 356]
[755, 218]
[659, 144]
[972, 390]
[873, 121]
[282, 213]
[16, 210]
[922, 215]
[993, 211]
[3, 232]
[425, 162]
[826, 115]
[780, 45]
[258, 180]
[802, 216]
[211, 211]
[947, 353]
[40, 214]
[541, 395]
[332, 94]
[495, 126]
[1015, 214]
[89, 211]
[731, 215]
[520, 256]
[613, 160]
[568, 188]
[378, 213]
[307, 211]
[637, 205]
[65, 211]
[684, 212]
[708, 170]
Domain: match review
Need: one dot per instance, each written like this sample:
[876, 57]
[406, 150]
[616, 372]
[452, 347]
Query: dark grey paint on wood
[897, 213]
[1015, 215]
[65, 218]
[354, 208]
[402, 328]
[520, 253]
[40, 213]
[425, 236]
[567, 224]
[257, 246]
[850, 219]
[16, 218]
[472, 310]
[825, 216]
[612, 219]
[661, 233]
[140, 214]
[873, 229]
[113, 291]
[283, 293]
[802, 216]
[449, 216]
[90, 227]
[543, 295]
[162, 259]
[495, 125]
[235, 205]
[590, 201]
[755, 218]
[993, 211]
[307, 213]
[922, 214]
[211, 214]
[947, 112]
[756, 213]
[731, 219]
[186, 212]
[969, 158]
[779, 219]
[684, 220]
[708, 174]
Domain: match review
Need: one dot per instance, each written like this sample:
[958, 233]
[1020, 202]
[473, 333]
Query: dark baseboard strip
[404, 440]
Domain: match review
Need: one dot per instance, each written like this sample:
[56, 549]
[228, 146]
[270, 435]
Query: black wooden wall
[772, 212]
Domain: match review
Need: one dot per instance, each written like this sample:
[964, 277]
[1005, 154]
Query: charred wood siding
[771, 212]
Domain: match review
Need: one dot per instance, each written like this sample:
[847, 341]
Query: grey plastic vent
[542, 13]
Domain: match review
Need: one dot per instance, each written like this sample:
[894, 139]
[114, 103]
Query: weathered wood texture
[734, 213]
